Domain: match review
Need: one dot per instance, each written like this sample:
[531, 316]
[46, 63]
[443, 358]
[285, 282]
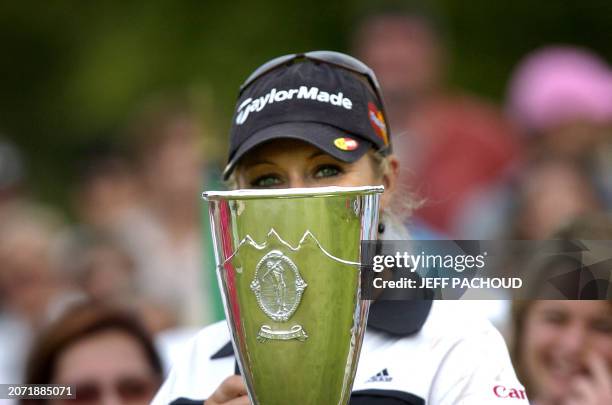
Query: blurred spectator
[551, 194]
[561, 97]
[105, 272]
[32, 289]
[99, 266]
[164, 239]
[561, 100]
[105, 353]
[107, 190]
[450, 144]
[407, 54]
[32, 286]
[562, 350]
[545, 194]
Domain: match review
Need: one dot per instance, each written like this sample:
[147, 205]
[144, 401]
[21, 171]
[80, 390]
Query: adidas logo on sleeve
[381, 376]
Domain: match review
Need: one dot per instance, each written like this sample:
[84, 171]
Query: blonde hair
[401, 208]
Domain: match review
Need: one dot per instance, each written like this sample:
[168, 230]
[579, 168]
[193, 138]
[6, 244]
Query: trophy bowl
[288, 265]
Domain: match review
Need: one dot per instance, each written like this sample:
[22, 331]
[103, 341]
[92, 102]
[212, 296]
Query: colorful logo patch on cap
[346, 144]
[377, 120]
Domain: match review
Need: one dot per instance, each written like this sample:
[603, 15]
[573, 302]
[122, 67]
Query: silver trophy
[288, 264]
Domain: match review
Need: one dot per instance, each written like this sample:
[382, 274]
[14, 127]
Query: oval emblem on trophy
[278, 286]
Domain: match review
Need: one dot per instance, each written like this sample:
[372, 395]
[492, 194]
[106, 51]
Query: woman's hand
[595, 389]
[232, 391]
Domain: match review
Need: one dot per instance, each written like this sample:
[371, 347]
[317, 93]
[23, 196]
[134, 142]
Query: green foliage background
[72, 71]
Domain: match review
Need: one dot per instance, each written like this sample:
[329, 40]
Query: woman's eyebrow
[317, 154]
[258, 162]
[321, 153]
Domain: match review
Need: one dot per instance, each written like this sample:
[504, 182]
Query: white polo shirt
[410, 355]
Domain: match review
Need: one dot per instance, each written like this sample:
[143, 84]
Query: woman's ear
[390, 178]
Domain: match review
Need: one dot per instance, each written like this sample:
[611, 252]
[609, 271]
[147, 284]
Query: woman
[563, 349]
[317, 119]
[106, 354]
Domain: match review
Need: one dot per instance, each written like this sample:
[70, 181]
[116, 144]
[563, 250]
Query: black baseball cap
[327, 99]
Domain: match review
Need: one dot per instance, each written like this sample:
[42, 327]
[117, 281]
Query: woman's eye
[327, 171]
[266, 181]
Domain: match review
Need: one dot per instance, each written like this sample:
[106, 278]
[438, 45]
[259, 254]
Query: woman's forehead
[581, 309]
[281, 148]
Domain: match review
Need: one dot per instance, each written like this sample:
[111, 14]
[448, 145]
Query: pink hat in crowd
[556, 85]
